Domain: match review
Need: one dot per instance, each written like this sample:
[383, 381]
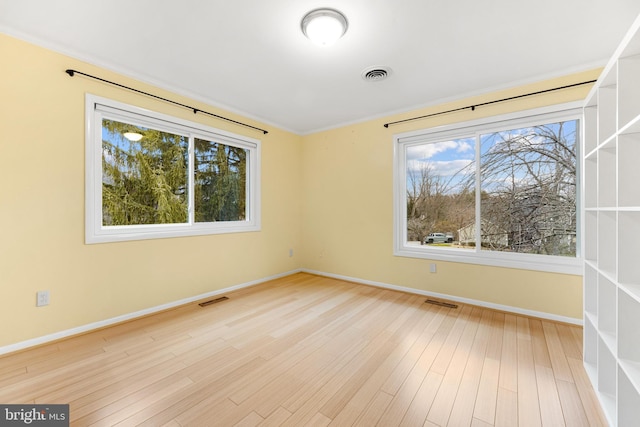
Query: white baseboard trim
[126, 317]
[500, 307]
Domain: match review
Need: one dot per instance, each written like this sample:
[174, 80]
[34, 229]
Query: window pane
[144, 175]
[528, 181]
[220, 182]
[440, 192]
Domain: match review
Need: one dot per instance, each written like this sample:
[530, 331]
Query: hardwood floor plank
[418, 328]
[375, 351]
[444, 321]
[575, 415]
[309, 350]
[479, 423]
[319, 420]
[251, 420]
[486, 400]
[404, 396]
[372, 413]
[106, 397]
[336, 363]
[441, 364]
[130, 404]
[556, 352]
[445, 399]
[590, 403]
[276, 418]
[61, 378]
[571, 343]
[539, 344]
[506, 408]
[417, 412]
[550, 409]
[462, 411]
[208, 412]
[509, 357]
[528, 407]
[192, 401]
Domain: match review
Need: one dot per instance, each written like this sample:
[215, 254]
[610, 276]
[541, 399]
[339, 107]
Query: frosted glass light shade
[324, 26]
[133, 136]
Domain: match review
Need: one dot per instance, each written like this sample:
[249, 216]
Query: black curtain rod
[473, 106]
[195, 110]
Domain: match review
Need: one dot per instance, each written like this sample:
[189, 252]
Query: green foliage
[220, 182]
[146, 182]
[143, 182]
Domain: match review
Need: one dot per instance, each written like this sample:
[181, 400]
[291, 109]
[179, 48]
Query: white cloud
[427, 151]
[439, 168]
[464, 146]
[451, 167]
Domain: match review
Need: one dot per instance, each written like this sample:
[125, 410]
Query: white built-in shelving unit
[611, 218]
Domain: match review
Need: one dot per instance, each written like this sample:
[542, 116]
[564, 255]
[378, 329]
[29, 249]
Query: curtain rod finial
[70, 72]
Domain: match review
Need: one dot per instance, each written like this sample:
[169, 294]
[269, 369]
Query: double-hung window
[149, 175]
[500, 191]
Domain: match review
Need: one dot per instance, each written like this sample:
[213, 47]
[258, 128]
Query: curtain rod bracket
[72, 72]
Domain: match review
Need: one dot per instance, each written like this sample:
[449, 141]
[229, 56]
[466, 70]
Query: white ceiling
[251, 57]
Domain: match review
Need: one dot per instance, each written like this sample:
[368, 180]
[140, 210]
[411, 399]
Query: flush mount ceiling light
[132, 136]
[324, 26]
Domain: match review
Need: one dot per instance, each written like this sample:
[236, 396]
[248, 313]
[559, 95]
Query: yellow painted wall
[327, 195]
[42, 207]
[348, 210]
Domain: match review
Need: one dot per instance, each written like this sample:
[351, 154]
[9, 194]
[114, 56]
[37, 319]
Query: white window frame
[98, 108]
[547, 263]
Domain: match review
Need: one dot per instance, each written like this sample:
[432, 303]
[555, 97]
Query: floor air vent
[442, 304]
[212, 301]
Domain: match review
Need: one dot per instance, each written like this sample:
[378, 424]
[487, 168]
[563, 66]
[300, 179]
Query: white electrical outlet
[42, 298]
[432, 267]
[291, 252]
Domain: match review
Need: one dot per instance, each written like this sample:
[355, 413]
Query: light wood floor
[312, 351]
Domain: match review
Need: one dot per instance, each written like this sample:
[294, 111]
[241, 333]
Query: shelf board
[610, 341]
[593, 317]
[606, 274]
[632, 290]
[611, 139]
[632, 48]
[592, 155]
[608, 402]
[592, 264]
[592, 100]
[632, 370]
[632, 127]
[592, 373]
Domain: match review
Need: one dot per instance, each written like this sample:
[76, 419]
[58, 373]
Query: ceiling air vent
[376, 74]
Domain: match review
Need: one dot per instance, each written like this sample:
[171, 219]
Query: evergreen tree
[145, 181]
